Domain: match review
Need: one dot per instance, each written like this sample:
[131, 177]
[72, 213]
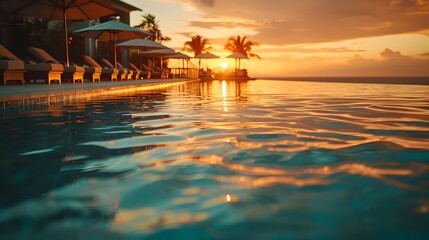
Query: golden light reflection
[423, 209]
[318, 141]
[257, 176]
[184, 200]
[228, 198]
[148, 219]
[224, 94]
[224, 88]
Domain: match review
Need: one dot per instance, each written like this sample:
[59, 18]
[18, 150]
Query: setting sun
[223, 65]
[347, 40]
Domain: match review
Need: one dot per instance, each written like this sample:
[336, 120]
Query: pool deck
[18, 95]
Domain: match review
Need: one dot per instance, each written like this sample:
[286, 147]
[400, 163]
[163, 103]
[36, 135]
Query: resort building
[14, 32]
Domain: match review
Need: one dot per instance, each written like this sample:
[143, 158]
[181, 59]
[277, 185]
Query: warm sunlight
[214, 119]
[374, 44]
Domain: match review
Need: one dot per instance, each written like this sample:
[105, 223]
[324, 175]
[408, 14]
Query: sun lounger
[137, 73]
[71, 73]
[92, 74]
[48, 72]
[107, 74]
[132, 73]
[153, 72]
[123, 73]
[11, 67]
[34, 71]
[143, 73]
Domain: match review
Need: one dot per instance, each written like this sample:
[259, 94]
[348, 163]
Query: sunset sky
[306, 37]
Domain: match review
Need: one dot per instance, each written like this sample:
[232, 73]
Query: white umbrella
[239, 56]
[142, 45]
[206, 55]
[112, 30]
[60, 9]
[159, 53]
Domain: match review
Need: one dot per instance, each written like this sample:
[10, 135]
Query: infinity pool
[221, 160]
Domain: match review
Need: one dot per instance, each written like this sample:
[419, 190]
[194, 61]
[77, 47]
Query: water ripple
[222, 160]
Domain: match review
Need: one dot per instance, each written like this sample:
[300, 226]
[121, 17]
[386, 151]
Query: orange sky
[305, 37]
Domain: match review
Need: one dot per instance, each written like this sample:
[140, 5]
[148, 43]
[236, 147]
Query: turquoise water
[221, 160]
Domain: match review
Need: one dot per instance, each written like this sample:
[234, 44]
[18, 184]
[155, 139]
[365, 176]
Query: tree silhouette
[241, 45]
[197, 45]
[47, 35]
[150, 24]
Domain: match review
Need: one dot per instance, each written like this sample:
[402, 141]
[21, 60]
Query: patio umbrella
[60, 9]
[239, 56]
[141, 45]
[179, 56]
[206, 55]
[112, 30]
[159, 53]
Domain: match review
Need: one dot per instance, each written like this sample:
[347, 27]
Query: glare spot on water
[228, 198]
[38, 151]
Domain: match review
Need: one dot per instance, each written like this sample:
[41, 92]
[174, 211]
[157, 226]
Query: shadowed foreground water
[221, 160]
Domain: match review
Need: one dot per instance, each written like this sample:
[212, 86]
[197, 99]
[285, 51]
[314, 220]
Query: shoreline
[377, 80]
[13, 96]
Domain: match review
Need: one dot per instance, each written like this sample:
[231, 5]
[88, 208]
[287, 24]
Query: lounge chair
[164, 71]
[71, 73]
[109, 74]
[138, 74]
[122, 73]
[143, 73]
[92, 74]
[11, 67]
[153, 72]
[132, 74]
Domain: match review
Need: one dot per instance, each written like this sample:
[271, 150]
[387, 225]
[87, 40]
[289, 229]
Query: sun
[224, 65]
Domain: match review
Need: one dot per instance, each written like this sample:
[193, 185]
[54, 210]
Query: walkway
[17, 95]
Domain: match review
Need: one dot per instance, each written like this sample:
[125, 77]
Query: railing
[190, 73]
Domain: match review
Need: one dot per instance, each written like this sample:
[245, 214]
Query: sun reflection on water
[219, 155]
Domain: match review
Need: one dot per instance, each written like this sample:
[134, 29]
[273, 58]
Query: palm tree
[197, 45]
[150, 24]
[241, 45]
[46, 34]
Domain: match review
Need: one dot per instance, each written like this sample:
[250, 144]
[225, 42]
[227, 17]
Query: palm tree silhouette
[150, 24]
[197, 45]
[241, 45]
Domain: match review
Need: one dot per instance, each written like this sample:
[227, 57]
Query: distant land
[383, 80]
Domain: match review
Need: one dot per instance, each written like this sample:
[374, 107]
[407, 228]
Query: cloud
[354, 66]
[301, 49]
[310, 21]
[205, 3]
[392, 63]
[388, 53]
[426, 54]
[220, 24]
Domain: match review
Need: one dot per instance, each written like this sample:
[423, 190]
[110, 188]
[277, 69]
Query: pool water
[221, 160]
